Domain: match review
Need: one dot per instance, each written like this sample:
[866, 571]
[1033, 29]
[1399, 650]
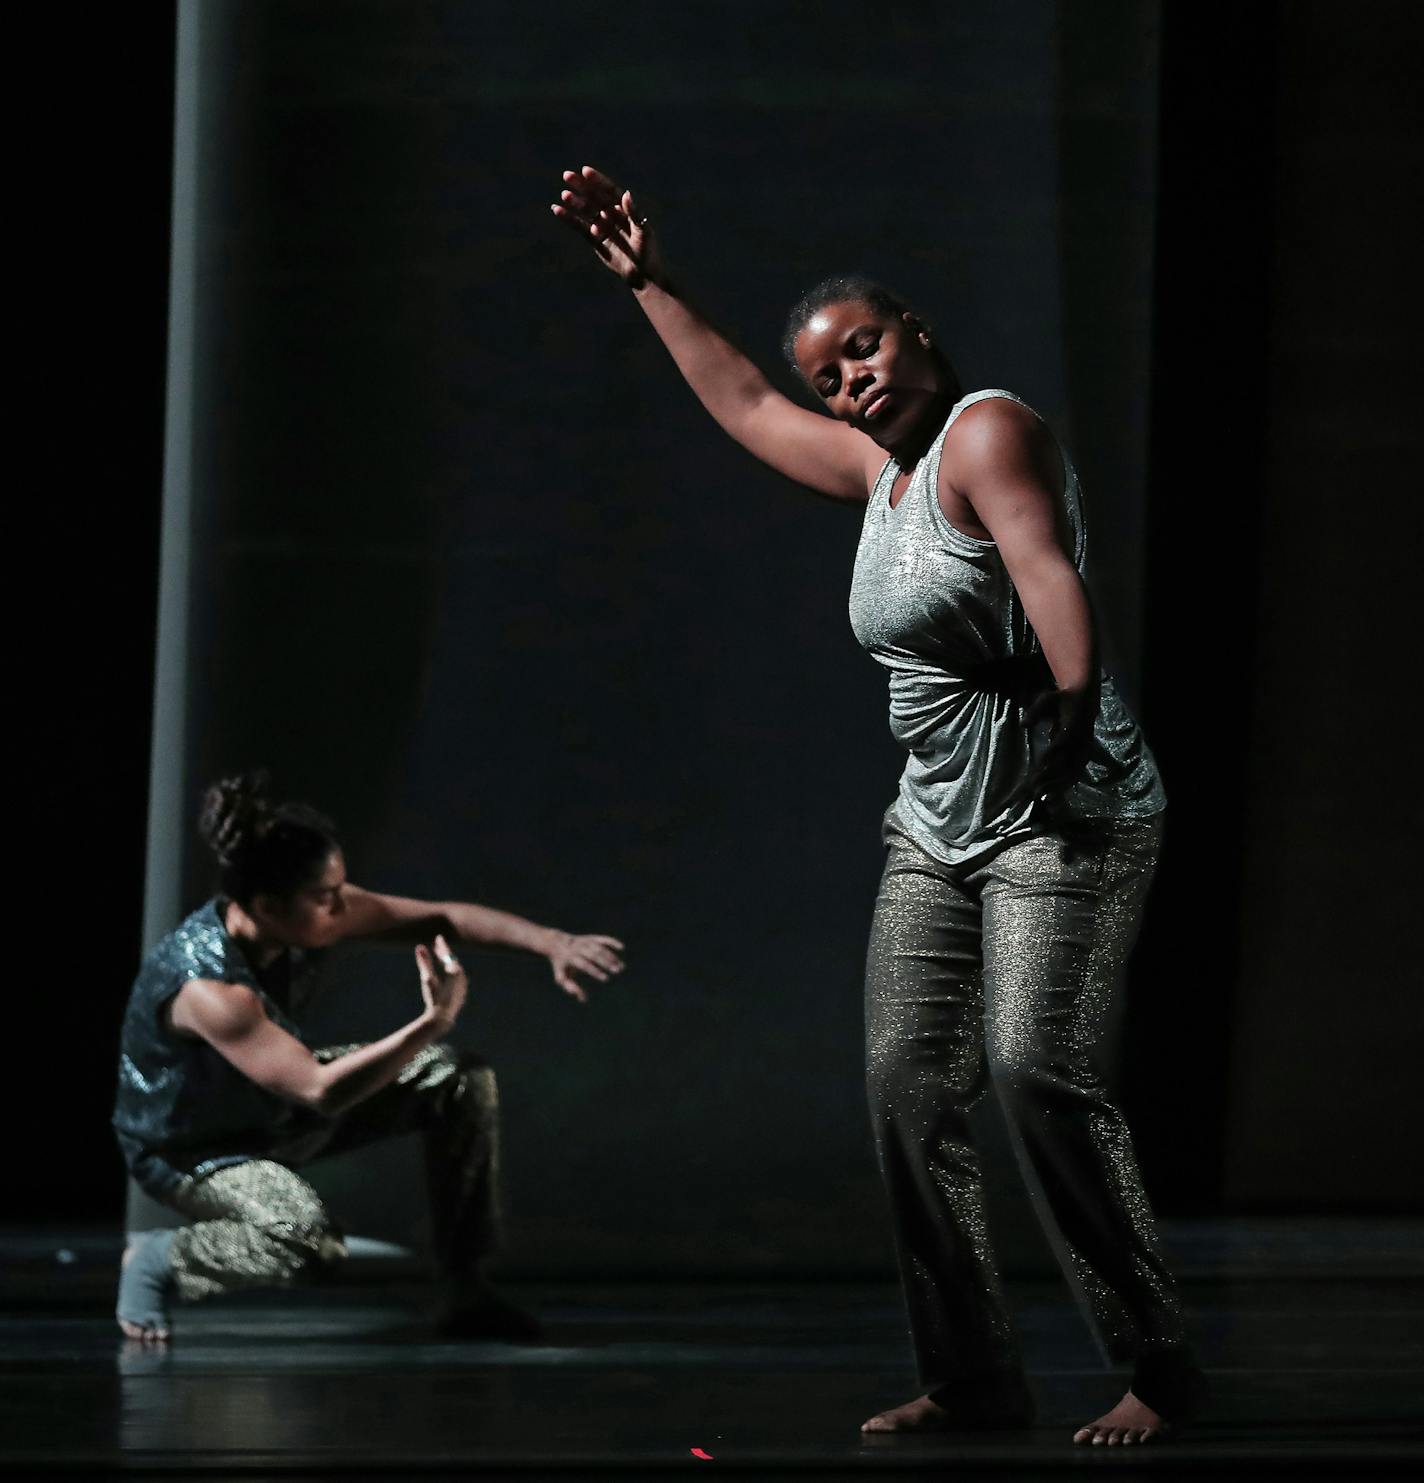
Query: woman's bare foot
[970, 1403]
[1129, 1421]
[142, 1311]
[919, 1415]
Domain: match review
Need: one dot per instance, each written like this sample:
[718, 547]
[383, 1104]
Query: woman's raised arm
[817, 451]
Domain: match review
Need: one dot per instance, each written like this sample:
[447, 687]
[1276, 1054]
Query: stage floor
[1313, 1336]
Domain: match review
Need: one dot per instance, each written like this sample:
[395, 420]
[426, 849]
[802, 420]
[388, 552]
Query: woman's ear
[921, 331]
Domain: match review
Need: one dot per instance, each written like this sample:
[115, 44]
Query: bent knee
[469, 1062]
[441, 1062]
[298, 1249]
[479, 1090]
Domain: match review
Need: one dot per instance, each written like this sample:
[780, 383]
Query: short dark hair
[844, 288]
[262, 847]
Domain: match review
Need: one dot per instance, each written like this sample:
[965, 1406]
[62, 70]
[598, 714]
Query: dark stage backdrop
[1329, 1027]
[452, 549]
[1284, 542]
[1274, 986]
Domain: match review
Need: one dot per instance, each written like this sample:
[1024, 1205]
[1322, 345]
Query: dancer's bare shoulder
[1001, 476]
[995, 438]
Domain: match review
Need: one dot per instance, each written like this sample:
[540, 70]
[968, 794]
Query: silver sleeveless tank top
[937, 609]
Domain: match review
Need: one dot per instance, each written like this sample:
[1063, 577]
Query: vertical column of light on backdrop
[167, 767]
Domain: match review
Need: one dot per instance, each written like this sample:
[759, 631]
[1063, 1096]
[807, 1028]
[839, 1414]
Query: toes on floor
[1114, 1436]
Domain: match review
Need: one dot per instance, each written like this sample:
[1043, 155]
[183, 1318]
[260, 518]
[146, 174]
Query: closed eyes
[861, 344]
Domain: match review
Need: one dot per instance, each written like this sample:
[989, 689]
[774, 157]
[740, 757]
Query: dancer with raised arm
[1021, 843]
[220, 1101]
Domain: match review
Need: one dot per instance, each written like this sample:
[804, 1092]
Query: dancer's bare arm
[1006, 464]
[374, 914]
[812, 449]
[231, 1018]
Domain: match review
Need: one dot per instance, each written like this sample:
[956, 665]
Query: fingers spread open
[570, 985]
[597, 178]
[572, 220]
[590, 225]
[575, 210]
[596, 190]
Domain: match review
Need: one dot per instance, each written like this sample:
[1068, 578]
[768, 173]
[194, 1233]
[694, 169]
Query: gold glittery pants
[259, 1223]
[1001, 973]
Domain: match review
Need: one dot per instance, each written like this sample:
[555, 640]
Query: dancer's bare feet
[918, 1415]
[1130, 1421]
[143, 1316]
[971, 1404]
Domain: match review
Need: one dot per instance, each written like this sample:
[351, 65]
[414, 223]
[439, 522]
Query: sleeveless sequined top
[936, 607]
[181, 1109]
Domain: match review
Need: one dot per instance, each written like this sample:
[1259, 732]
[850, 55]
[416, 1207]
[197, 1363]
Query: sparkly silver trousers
[1001, 974]
[259, 1223]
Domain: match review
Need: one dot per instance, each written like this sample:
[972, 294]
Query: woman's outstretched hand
[605, 215]
[589, 952]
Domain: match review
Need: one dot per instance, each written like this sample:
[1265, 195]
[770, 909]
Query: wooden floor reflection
[1314, 1337]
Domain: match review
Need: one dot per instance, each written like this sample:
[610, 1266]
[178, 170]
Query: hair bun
[234, 809]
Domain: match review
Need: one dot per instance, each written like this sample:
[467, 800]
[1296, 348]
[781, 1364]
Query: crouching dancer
[220, 1101]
